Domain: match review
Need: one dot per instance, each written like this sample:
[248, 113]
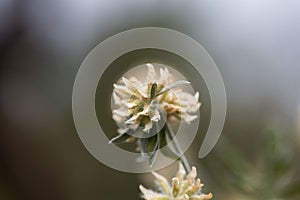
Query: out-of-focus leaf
[234, 166]
[277, 158]
[292, 190]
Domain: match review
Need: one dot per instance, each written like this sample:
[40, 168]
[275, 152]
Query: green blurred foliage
[273, 174]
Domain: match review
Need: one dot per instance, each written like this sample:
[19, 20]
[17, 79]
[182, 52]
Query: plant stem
[177, 148]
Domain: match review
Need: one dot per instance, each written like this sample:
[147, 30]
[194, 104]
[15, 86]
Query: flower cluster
[183, 187]
[141, 104]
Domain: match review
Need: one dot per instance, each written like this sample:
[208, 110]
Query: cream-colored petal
[171, 108]
[117, 99]
[133, 126]
[143, 92]
[123, 92]
[193, 188]
[145, 111]
[148, 126]
[175, 187]
[151, 195]
[194, 108]
[131, 120]
[130, 105]
[197, 185]
[134, 91]
[122, 130]
[196, 96]
[202, 197]
[118, 118]
[184, 197]
[121, 112]
[162, 182]
[181, 172]
[151, 75]
[192, 175]
[121, 89]
[188, 118]
[135, 81]
[164, 76]
[127, 83]
[156, 116]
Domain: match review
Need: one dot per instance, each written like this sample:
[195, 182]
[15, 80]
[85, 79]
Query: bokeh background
[255, 44]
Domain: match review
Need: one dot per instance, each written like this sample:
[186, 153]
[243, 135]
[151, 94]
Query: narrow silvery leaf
[119, 139]
[154, 152]
[174, 85]
[144, 142]
[149, 147]
[165, 149]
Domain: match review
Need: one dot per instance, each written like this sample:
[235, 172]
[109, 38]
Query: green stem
[177, 148]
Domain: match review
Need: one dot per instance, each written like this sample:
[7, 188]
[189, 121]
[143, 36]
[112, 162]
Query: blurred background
[255, 44]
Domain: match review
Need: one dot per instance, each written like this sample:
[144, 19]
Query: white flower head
[183, 187]
[142, 104]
